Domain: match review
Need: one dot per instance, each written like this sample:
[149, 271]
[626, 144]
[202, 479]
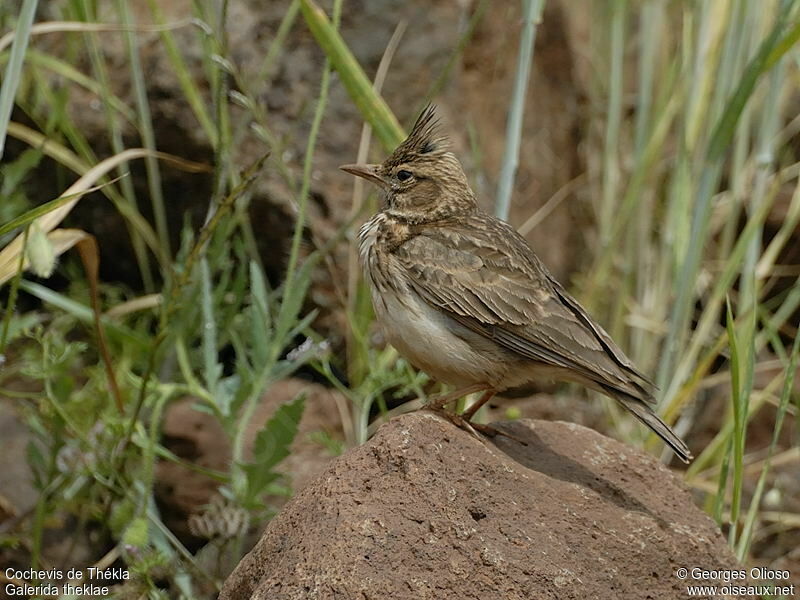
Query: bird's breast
[434, 342]
[368, 252]
[427, 337]
[376, 239]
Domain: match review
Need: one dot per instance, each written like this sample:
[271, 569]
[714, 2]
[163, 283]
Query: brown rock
[17, 492]
[425, 510]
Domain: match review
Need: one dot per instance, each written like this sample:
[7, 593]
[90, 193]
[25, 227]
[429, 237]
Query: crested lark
[462, 296]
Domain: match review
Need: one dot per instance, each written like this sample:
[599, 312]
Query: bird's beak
[368, 172]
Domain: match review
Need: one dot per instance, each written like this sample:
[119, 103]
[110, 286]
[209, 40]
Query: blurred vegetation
[687, 156]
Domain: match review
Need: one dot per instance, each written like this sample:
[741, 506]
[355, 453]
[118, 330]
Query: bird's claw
[474, 428]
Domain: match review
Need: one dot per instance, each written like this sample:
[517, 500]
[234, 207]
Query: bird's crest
[424, 138]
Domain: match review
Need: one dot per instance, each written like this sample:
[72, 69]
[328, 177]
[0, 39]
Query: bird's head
[422, 181]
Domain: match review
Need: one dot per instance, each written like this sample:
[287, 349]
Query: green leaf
[261, 319]
[291, 304]
[271, 447]
[136, 534]
[226, 392]
[121, 515]
[13, 74]
[212, 368]
[14, 172]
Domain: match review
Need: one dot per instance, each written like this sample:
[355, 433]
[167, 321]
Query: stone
[425, 510]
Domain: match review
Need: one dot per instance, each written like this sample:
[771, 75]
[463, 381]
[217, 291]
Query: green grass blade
[145, 126]
[63, 69]
[738, 399]
[531, 15]
[115, 136]
[11, 78]
[276, 47]
[771, 50]
[746, 538]
[84, 313]
[611, 161]
[722, 286]
[295, 286]
[372, 107]
[43, 209]
[188, 87]
[722, 484]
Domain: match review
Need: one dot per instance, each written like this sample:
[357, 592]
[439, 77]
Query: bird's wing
[484, 274]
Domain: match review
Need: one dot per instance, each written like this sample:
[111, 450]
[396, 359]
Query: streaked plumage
[463, 297]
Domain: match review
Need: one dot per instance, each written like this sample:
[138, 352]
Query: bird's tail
[643, 412]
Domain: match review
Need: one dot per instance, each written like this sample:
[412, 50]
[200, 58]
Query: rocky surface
[425, 510]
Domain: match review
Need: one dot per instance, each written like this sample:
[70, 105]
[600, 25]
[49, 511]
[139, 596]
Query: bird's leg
[474, 428]
[487, 430]
[438, 403]
[476, 406]
[463, 421]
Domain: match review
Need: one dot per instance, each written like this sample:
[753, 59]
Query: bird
[463, 297]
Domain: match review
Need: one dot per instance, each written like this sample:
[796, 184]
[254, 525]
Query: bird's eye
[404, 175]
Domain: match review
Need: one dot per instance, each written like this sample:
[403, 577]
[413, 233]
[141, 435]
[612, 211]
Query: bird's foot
[439, 402]
[492, 431]
[475, 428]
[456, 420]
